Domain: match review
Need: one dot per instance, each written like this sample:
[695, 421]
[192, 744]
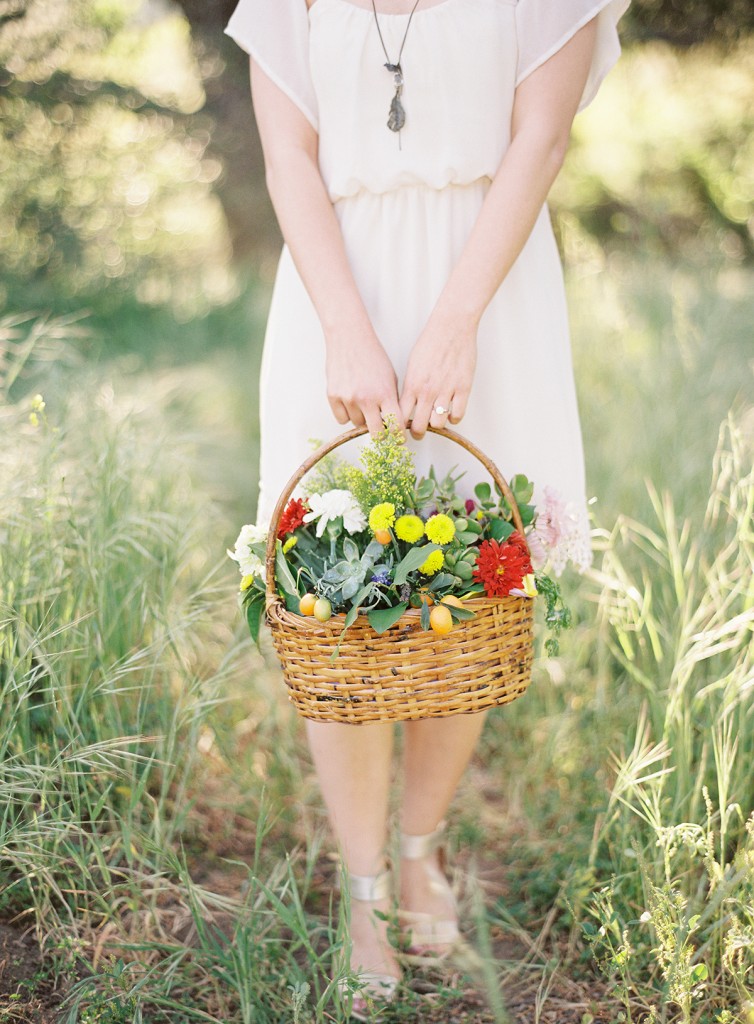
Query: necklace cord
[405, 34]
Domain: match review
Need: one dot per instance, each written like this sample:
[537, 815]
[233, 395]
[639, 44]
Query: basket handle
[349, 435]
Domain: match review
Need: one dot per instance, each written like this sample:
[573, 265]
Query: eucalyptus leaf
[373, 549]
[467, 537]
[522, 488]
[350, 550]
[381, 619]
[410, 562]
[440, 582]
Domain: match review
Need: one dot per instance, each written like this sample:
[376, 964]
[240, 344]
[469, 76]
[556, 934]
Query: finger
[439, 419]
[420, 420]
[458, 406]
[354, 414]
[373, 419]
[407, 403]
[391, 407]
[339, 411]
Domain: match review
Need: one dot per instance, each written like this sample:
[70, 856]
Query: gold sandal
[421, 933]
[374, 988]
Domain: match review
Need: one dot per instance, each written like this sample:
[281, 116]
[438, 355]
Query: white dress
[406, 210]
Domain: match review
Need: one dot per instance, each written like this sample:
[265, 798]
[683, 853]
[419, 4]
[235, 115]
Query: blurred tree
[687, 22]
[106, 186]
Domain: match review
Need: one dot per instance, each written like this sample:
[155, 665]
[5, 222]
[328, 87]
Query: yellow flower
[246, 582]
[37, 403]
[440, 529]
[33, 419]
[432, 563]
[290, 543]
[530, 585]
[409, 528]
[382, 516]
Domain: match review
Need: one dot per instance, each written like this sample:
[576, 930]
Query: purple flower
[470, 506]
[382, 578]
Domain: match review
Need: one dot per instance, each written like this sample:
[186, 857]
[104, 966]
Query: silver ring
[441, 410]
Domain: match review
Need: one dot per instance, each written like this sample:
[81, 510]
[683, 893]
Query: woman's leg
[436, 753]
[353, 766]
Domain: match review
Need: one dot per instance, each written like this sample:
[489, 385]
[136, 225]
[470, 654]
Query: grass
[159, 823]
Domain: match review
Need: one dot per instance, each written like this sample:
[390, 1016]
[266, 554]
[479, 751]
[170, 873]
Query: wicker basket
[406, 672]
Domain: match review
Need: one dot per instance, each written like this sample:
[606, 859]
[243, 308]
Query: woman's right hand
[361, 383]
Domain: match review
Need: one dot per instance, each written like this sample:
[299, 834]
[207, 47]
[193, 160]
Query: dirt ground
[536, 989]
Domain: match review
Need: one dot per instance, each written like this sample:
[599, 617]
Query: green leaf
[425, 490]
[283, 573]
[254, 611]
[350, 617]
[460, 614]
[483, 492]
[527, 514]
[412, 561]
[699, 973]
[381, 619]
[500, 530]
[425, 615]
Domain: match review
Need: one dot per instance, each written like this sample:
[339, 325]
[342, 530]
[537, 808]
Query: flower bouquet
[377, 549]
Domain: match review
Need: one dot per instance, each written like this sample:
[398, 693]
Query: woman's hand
[361, 383]
[440, 372]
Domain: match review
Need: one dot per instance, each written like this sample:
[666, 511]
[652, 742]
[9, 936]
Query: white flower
[250, 562]
[646, 916]
[253, 534]
[333, 505]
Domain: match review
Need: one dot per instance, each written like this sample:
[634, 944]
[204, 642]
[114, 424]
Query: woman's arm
[442, 363]
[361, 381]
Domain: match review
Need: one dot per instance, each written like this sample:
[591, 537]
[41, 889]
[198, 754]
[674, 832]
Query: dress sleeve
[276, 34]
[544, 26]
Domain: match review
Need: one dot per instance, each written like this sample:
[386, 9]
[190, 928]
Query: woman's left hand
[440, 373]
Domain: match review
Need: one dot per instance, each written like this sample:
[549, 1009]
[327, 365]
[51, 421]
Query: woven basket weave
[406, 672]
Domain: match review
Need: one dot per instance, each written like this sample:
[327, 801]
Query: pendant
[397, 116]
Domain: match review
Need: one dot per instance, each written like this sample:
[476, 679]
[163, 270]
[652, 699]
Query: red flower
[293, 517]
[502, 567]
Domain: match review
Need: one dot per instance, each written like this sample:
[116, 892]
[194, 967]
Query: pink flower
[553, 520]
[560, 534]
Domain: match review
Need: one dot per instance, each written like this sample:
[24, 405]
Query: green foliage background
[143, 742]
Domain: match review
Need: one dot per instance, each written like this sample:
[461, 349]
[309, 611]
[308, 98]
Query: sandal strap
[371, 887]
[416, 847]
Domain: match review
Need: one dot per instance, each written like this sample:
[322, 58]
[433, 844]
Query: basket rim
[337, 619]
[349, 435]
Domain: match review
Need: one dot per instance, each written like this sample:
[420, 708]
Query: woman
[419, 278]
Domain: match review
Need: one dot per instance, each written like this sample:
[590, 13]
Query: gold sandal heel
[374, 988]
[422, 934]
